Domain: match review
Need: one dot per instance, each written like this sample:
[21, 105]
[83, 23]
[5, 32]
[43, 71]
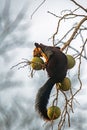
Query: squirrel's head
[39, 52]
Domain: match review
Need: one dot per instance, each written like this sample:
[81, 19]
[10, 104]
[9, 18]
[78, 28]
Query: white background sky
[39, 29]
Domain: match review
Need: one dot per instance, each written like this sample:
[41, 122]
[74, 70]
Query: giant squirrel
[56, 67]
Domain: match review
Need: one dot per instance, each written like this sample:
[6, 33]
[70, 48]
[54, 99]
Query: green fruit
[65, 84]
[53, 112]
[71, 61]
[37, 63]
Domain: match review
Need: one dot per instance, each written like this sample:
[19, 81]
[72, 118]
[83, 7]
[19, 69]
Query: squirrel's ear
[36, 44]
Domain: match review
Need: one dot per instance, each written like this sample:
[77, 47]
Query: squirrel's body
[56, 68]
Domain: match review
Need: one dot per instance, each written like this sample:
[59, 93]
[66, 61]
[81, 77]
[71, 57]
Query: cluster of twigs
[77, 30]
[24, 64]
[68, 105]
[28, 63]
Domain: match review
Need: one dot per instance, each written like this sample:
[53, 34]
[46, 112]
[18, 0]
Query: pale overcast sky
[17, 90]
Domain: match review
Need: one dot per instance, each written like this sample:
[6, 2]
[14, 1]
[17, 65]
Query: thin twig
[79, 5]
[37, 8]
[79, 71]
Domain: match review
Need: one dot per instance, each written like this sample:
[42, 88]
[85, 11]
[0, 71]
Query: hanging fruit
[53, 112]
[37, 63]
[71, 61]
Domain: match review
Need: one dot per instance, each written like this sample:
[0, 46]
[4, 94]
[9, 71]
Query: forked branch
[74, 33]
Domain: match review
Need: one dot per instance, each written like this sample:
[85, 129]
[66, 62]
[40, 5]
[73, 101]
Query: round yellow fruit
[65, 84]
[37, 63]
[71, 61]
[53, 112]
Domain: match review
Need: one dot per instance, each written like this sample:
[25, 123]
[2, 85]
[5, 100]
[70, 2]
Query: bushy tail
[43, 97]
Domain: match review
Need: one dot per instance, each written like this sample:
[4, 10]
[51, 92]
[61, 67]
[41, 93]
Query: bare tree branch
[74, 33]
[79, 5]
[6, 12]
[12, 26]
[37, 8]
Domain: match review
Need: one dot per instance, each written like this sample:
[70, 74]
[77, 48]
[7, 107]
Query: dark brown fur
[56, 68]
